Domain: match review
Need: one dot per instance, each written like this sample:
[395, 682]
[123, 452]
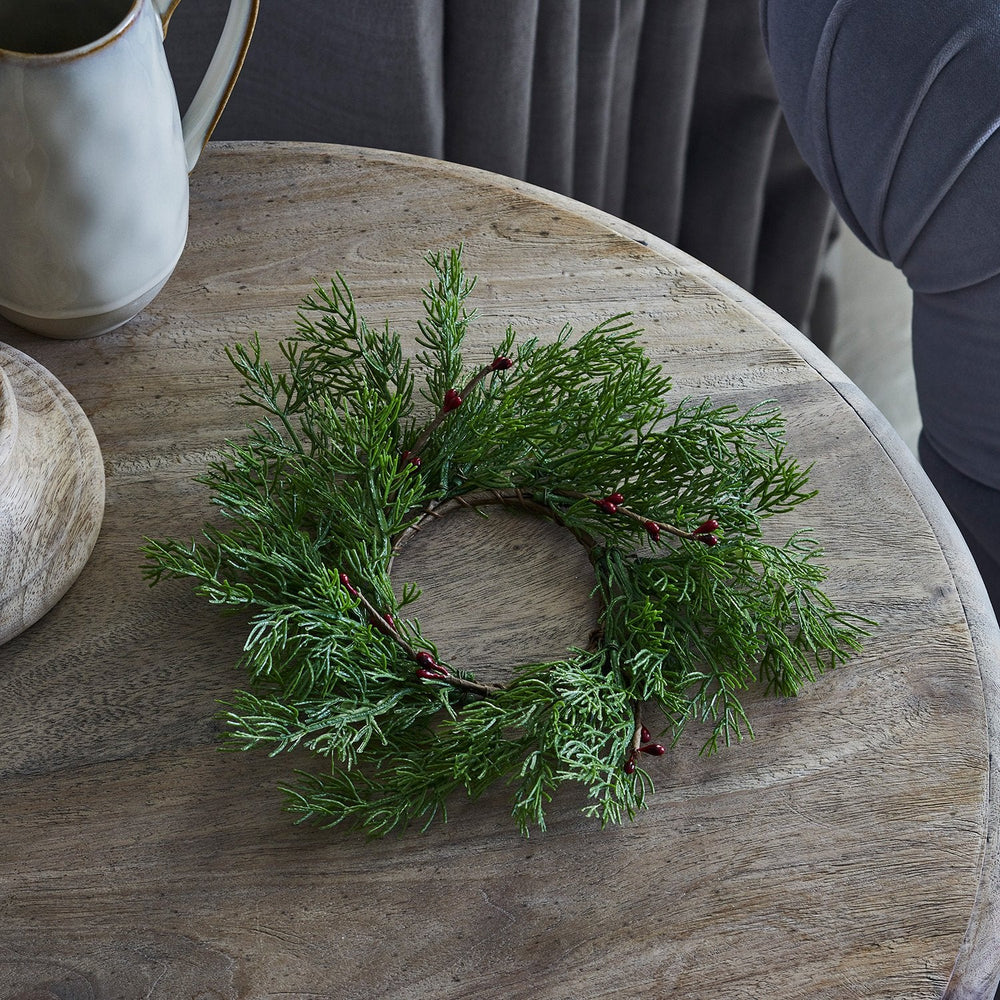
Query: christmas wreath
[669, 501]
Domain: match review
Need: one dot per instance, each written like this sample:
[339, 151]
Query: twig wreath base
[667, 500]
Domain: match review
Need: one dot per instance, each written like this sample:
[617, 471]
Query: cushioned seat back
[897, 113]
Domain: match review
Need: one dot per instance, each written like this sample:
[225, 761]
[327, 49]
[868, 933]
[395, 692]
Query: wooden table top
[849, 851]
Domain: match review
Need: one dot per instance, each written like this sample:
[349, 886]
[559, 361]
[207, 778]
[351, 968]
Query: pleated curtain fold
[662, 112]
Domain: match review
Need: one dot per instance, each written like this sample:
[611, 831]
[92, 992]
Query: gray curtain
[659, 111]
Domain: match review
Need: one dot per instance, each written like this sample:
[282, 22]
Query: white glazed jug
[94, 156]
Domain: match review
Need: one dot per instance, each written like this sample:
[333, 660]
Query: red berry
[501, 364]
[706, 527]
[408, 458]
[452, 401]
[653, 528]
[709, 540]
[645, 735]
[608, 506]
[630, 764]
[345, 580]
[656, 749]
[615, 498]
[428, 667]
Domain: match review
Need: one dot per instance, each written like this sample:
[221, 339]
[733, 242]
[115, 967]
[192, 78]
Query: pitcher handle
[210, 98]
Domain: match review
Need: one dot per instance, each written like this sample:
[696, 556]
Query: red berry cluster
[645, 746]
[612, 504]
[429, 668]
[704, 532]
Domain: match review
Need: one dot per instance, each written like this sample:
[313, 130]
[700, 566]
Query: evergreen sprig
[669, 501]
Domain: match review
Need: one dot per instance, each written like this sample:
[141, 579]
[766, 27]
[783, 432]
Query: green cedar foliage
[314, 500]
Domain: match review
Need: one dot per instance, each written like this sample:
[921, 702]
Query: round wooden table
[849, 851]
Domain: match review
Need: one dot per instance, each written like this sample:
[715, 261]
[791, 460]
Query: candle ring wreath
[668, 500]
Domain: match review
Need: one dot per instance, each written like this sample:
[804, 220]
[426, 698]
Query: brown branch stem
[637, 734]
[526, 501]
[438, 672]
[487, 498]
[418, 445]
[670, 529]
[465, 684]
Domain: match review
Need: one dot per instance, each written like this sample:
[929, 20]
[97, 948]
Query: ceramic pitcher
[94, 156]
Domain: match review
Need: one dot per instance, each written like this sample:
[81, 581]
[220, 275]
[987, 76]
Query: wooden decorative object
[51, 491]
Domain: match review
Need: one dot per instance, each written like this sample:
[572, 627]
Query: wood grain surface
[849, 851]
[51, 491]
